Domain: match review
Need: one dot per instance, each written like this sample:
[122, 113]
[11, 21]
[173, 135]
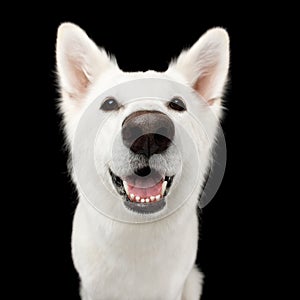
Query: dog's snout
[148, 132]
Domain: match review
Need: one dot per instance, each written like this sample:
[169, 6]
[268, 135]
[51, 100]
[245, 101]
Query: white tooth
[152, 198]
[131, 196]
[137, 198]
[147, 200]
[163, 188]
[157, 197]
[125, 187]
[142, 200]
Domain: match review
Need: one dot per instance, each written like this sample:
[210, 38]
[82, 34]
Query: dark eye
[177, 104]
[110, 104]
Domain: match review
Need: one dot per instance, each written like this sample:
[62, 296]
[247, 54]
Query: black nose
[148, 132]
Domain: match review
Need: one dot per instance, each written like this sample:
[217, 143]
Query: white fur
[153, 260]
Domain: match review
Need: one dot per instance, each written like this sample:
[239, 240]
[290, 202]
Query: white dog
[138, 162]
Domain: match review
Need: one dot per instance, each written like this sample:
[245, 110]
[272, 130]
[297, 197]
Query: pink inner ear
[79, 79]
[205, 85]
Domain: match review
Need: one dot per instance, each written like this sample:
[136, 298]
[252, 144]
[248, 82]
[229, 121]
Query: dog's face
[157, 129]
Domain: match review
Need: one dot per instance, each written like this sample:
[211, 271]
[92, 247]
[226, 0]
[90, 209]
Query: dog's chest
[118, 261]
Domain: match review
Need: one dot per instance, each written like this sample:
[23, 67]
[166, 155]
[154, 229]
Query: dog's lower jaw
[129, 261]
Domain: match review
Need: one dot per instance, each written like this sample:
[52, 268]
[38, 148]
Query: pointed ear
[79, 60]
[205, 65]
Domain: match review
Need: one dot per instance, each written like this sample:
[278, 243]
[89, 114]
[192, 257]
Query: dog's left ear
[205, 65]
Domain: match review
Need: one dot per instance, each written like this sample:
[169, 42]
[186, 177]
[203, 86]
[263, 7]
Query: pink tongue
[145, 192]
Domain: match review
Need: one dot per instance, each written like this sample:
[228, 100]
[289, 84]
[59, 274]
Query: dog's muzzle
[145, 133]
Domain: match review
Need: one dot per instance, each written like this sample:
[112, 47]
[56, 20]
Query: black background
[230, 238]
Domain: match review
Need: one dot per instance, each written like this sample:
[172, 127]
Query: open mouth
[143, 194]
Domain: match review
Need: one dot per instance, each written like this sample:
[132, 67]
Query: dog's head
[157, 129]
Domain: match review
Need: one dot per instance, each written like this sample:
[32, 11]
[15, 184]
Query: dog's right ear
[205, 65]
[79, 61]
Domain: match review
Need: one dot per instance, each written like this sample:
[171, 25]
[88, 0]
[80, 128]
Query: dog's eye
[110, 104]
[177, 104]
